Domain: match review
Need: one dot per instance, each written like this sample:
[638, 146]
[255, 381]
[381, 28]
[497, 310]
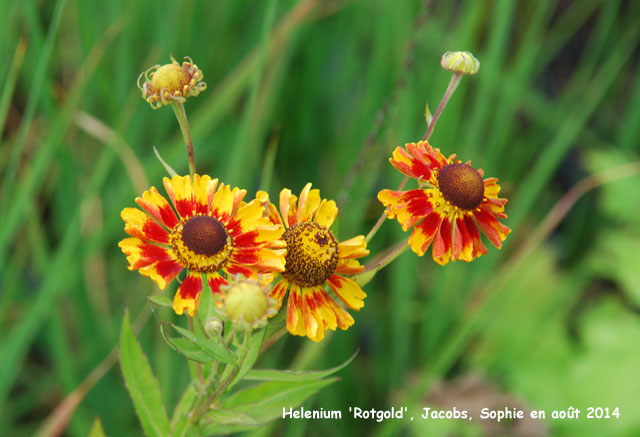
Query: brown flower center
[312, 254]
[204, 235]
[461, 185]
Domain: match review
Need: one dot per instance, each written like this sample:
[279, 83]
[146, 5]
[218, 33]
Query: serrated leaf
[219, 422]
[291, 375]
[96, 429]
[160, 300]
[142, 385]
[196, 347]
[265, 401]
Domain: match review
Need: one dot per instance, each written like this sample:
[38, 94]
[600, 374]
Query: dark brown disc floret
[461, 185]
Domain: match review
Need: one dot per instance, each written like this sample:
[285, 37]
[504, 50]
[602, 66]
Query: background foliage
[304, 91]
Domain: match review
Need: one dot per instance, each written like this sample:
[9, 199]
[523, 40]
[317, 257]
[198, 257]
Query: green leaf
[428, 116]
[265, 401]
[219, 422]
[211, 346]
[96, 429]
[160, 300]
[184, 405]
[365, 277]
[291, 375]
[196, 347]
[141, 384]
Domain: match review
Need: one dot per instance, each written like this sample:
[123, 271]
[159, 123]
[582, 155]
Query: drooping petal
[474, 234]
[424, 232]
[495, 231]
[179, 191]
[140, 225]
[278, 291]
[409, 207]
[295, 318]
[162, 272]
[349, 267]
[441, 249]
[141, 253]
[157, 206]
[324, 311]
[313, 325]
[150, 260]
[188, 294]
[462, 243]
[348, 291]
[326, 213]
[353, 248]
[215, 281]
[342, 318]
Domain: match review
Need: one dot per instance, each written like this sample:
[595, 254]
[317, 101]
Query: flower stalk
[181, 115]
[451, 88]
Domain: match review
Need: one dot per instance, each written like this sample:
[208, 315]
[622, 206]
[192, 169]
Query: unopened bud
[213, 326]
[248, 302]
[460, 62]
[172, 82]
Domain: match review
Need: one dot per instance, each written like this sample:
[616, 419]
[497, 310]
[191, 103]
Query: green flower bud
[460, 62]
[248, 302]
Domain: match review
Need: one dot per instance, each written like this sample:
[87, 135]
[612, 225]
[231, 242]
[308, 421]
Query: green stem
[453, 84]
[371, 271]
[198, 365]
[181, 115]
[219, 390]
[383, 216]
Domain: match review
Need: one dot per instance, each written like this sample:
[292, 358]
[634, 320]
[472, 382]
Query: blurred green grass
[556, 99]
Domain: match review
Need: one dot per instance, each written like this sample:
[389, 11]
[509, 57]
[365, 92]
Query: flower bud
[213, 326]
[248, 302]
[460, 62]
[172, 82]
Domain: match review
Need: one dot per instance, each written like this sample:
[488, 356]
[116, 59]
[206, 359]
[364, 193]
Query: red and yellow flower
[452, 201]
[213, 231]
[314, 259]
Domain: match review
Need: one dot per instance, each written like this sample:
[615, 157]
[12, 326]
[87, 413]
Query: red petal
[441, 249]
[474, 234]
[495, 231]
[188, 295]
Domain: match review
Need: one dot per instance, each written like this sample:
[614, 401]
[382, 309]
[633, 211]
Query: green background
[321, 92]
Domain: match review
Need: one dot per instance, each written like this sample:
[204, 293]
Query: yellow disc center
[461, 185]
[312, 254]
[170, 77]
